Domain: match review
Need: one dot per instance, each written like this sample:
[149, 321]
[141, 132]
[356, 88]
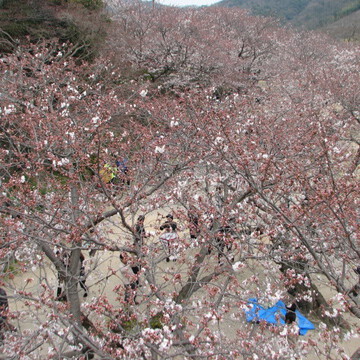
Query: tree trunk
[318, 305]
[356, 355]
[189, 288]
[72, 281]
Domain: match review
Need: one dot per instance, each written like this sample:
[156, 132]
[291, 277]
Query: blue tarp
[276, 315]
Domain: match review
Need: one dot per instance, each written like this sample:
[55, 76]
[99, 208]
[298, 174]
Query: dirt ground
[104, 276]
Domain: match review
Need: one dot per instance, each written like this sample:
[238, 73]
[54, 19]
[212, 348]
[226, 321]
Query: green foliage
[39, 185]
[156, 321]
[287, 9]
[132, 325]
[129, 325]
[90, 4]
[16, 29]
[350, 8]
[310, 14]
[81, 25]
[10, 268]
[42, 184]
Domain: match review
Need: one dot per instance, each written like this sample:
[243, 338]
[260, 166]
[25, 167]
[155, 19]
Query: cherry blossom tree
[235, 123]
[61, 127]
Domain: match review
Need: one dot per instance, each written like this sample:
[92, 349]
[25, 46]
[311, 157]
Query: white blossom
[63, 161]
[237, 266]
[8, 110]
[95, 119]
[71, 135]
[334, 314]
[165, 344]
[159, 149]
[182, 184]
[143, 93]
[218, 140]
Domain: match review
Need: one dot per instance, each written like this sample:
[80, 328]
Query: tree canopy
[245, 132]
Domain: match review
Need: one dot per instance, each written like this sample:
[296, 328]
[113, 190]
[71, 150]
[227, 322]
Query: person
[290, 315]
[130, 278]
[222, 238]
[123, 171]
[140, 232]
[355, 290]
[169, 223]
[4, 306]
[169, 236]
[193, 223]
[122, 166]
[108, 174]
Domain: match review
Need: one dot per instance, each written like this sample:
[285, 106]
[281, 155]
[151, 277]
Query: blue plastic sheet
[276, 315]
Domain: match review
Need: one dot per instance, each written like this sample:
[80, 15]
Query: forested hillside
[308, 14]
[176, 183]
[78, 21]
[347, 27]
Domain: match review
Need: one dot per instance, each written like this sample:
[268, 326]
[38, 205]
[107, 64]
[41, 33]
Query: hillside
[77, 21]
[308, 14]
[347, 27]
[242, 132]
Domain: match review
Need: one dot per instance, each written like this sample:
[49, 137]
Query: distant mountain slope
[287, 9]
[319, 13]
[347, 27]
[309, 14]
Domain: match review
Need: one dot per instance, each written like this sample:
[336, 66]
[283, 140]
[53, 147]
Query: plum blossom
[159, 149]
[143, 93]
[62, 162]
[237, 266]
[218, 140]
[165, 344]
[95, 119]
[8, 110]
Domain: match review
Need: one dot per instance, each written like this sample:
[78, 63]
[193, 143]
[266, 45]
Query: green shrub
[349, 9]
[155, 322]
[90, 4]
[11, 268]
[15, 29]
